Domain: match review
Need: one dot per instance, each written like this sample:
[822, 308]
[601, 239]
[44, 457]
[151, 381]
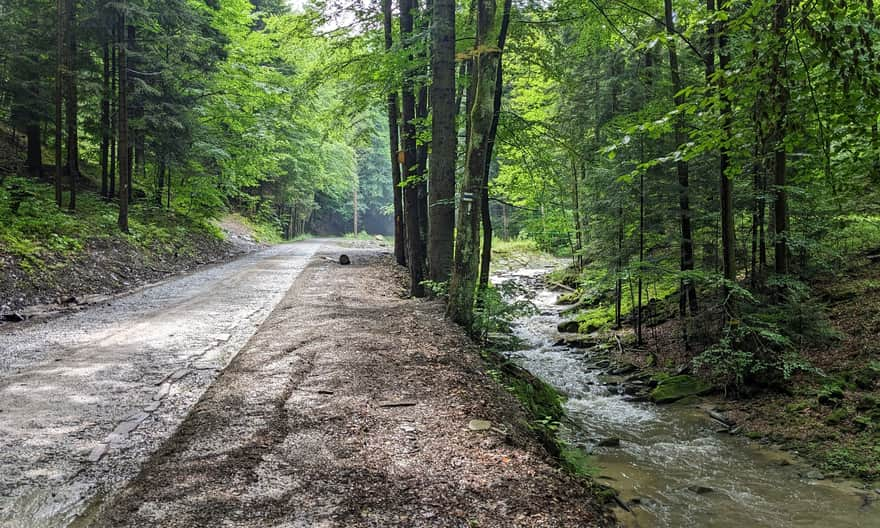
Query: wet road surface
[85, 398]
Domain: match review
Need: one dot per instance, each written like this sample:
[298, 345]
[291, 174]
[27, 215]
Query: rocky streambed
[682, 463]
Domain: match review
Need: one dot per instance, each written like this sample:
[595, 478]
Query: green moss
[544, 405]
[677, 387]
[578, 461]
[797, 406]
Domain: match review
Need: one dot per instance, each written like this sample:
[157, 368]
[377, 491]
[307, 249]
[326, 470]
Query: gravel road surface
[87, 397]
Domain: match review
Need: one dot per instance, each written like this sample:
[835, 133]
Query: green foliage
[494, 313]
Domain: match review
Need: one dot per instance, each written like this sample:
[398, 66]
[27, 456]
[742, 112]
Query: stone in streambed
[568, 327]
[609, 442]
[677, 387]
[700, 490]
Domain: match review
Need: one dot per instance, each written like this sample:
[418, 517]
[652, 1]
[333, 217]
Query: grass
[40, 234]
[263, 233]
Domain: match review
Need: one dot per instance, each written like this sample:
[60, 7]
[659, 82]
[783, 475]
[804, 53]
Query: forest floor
[353, 406]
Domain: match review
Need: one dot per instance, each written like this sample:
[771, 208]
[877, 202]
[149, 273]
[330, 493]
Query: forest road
[87, 397]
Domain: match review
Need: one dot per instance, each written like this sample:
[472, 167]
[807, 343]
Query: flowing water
[672, 468]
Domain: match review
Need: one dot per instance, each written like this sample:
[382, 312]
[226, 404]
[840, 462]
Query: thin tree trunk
[576, 206]
[780, 95]
[354, 200]
[618, 289]
[486, 217]
[444, 142]
[688, 294]
[160, 181]
[394, 141]
[59, 84]
[72, 103]
[34, 150]
[134, 134]
[124, 181]
[105, 119]
[415, 257]
[114, 111]
[728, 241]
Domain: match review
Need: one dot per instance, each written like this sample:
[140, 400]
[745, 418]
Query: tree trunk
[576, 207]
[160, 181]
[718, 31]
[114, 107]
[486, 218]
[414, 256]
[688, 294]
[34, 161]
[71, 101]
[444, 142]
[354, 204]
[135, 135]
[105, 120]
[123, 130]
[487, 56]
[780, 96]
[59, 84]
[394, 141]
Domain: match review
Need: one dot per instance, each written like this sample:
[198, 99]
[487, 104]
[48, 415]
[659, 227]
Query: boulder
[677, 387]
[580, 342]
[609, 442]
[568, 327]
[700, 490]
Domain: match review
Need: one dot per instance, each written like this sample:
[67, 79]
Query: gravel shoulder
[350, 408]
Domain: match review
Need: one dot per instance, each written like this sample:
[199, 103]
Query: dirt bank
[108, 265]
[351, 407]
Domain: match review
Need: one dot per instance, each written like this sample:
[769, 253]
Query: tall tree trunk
[160, 181]
[72, 102]
[34, 162]
[124, 166]
[394, 140]
[114, 107]
[414, 256]
[576, 208]
[486, 217]
[444, 142]
[780, 97]
[728, 240]
[354, 200]
[59, 92]
[639, 311]
[718, 30]
[487, 56]
[135, 135]
[688, 294]
[105, 119]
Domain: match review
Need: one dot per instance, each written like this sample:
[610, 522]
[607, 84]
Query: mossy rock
[798, 406]
[677, 387]
[568, 327]
[568, 298]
